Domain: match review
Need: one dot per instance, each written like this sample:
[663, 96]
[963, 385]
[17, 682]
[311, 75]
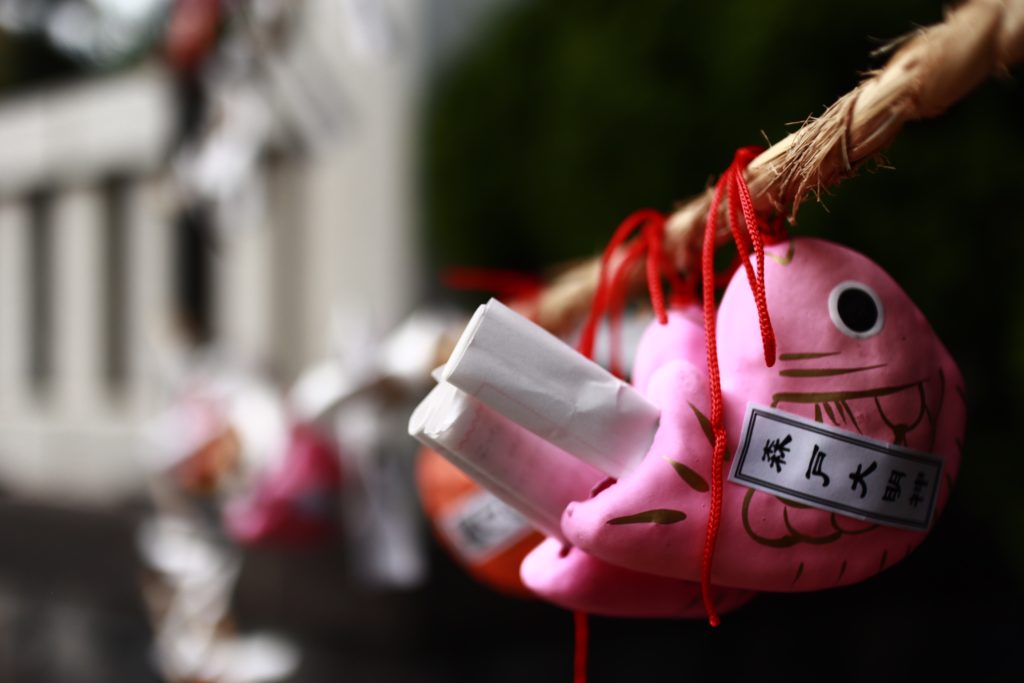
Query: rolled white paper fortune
[532, 476]
[536, 380]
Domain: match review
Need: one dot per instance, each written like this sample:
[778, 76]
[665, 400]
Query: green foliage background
[566, 116]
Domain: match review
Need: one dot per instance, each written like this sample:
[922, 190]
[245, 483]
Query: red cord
[508, 284]
[655, 260]
[717, 423]
[519, 290]
[615, 302]
[609, 298]
[733, 187]
[738, 185]
[582, 627]
[599, 305]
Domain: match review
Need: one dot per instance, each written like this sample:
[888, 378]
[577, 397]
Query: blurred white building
[92, 254]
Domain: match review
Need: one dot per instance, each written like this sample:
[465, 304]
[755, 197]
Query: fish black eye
[856, 310]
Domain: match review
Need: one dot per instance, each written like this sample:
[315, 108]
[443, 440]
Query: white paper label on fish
[832, 469]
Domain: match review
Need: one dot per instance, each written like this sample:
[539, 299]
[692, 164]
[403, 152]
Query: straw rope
[928, 72]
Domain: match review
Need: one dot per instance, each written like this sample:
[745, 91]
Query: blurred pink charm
[296, 501]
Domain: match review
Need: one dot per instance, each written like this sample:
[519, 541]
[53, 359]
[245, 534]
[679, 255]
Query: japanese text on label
[836, 470]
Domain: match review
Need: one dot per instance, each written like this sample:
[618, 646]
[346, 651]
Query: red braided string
[609, 298]
[654, 262]
[743, 158]
[616, 302]
[717, 421]
[681, 291]
[599, 305]
[733, 187]
[520, 290]
[506, 283]
[582, 628]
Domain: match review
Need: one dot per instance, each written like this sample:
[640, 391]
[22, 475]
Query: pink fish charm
[854, 355]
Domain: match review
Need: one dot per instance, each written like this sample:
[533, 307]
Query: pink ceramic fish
[680, 338]
[572, 579]
[854, 354]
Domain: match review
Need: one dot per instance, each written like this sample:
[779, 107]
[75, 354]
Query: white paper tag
[481, 526]
[832, 469]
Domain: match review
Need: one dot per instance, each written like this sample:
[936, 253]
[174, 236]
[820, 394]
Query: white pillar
[149, 226]
[300, 319]
[78, 245]
[14, 307]
[243, 304]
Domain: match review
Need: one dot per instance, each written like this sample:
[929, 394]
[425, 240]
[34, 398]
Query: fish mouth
[835, 405]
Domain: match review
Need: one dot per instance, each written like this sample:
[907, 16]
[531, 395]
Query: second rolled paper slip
[531, 475]
[536, 380]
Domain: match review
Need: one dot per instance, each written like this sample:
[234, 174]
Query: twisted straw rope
[930, 71]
